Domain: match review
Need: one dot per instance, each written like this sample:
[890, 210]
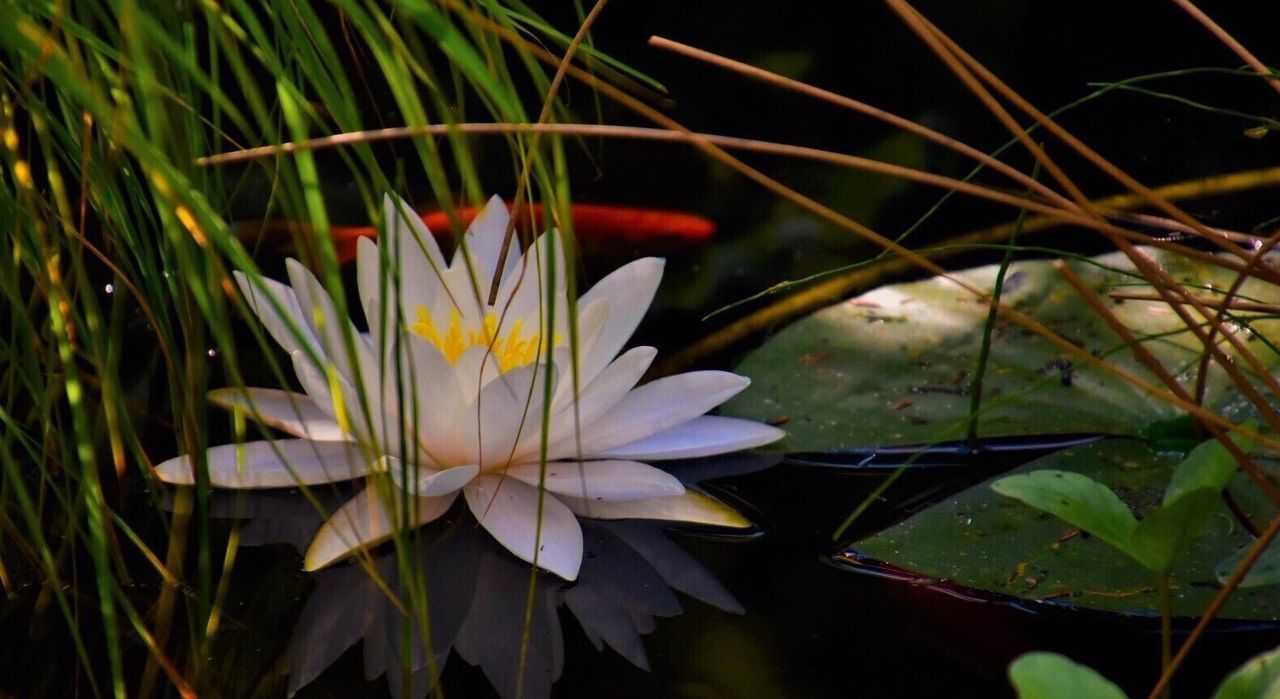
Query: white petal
[629, 291]
[474, 368]
[368, 284]
[259, 299]
[424, 481]
[414, 249]
[290, 412]
[506, 410]
[343, 409]
[694, 506]
[367, 520]
[333, 330]
[431, 394]
[521, 293]
[460, 292]
[701, 436]
[511, 510]
[660, 405]
[280, 464]
[600, 480]
[604, 392]
[483, 241]
[591, 320]
[413, 272]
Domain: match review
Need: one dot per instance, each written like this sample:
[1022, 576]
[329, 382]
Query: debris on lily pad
[896, 365]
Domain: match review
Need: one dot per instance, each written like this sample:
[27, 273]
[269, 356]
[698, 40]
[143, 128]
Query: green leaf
[1208, 466]
[998, 548]
[1155, 542]
[1051, 676]
[1257, 679]
[1166, 530]
[1077, 499]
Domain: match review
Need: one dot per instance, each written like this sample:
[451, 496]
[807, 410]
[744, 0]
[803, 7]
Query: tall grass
[118, 308]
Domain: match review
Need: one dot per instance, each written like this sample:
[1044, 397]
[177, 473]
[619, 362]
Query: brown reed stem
[1230, 42]
[1153, 365]
[902, 123]
[1251, 556]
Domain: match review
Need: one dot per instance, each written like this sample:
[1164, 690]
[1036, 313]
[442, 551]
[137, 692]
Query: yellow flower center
[513, 350]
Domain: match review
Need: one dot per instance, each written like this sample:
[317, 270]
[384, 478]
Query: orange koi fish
[594, 222]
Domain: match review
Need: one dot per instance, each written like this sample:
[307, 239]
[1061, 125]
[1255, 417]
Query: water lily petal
[431, 393]
[658, 406]
[417, 242]
[511, 510]
[290, 412]
[259, 301]
[629, 291]
[701, 436]
[521, 292]
[605, 391]
[474, 368]
[483, 242]
[283, 463]
[413, 272]
[345, 411]
[591, 320]
[507, 409]
[600, 480]
[462, 293]
[694, 506]
[425, 481]
[367, 520]
[332, 329]
[368, 285]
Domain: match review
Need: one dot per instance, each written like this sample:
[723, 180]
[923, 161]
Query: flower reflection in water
[477, 595]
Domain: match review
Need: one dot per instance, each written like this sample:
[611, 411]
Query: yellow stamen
[512, 351]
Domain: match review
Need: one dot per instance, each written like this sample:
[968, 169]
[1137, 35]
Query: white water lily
[446, 394]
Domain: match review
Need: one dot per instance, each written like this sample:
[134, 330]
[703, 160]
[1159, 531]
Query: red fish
[591, 222]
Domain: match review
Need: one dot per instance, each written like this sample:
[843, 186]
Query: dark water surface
[774, 614]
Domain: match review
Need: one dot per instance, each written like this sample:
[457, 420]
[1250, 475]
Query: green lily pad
[1156, 540]
[981, 540]
[895, 365]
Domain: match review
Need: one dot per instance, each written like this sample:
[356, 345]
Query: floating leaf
[1053, 676]
[1077, 499]
[1257, 679]
[894, 366]
[985, 542]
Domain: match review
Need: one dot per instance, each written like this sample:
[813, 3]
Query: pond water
[779, 613]
[783, 609]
